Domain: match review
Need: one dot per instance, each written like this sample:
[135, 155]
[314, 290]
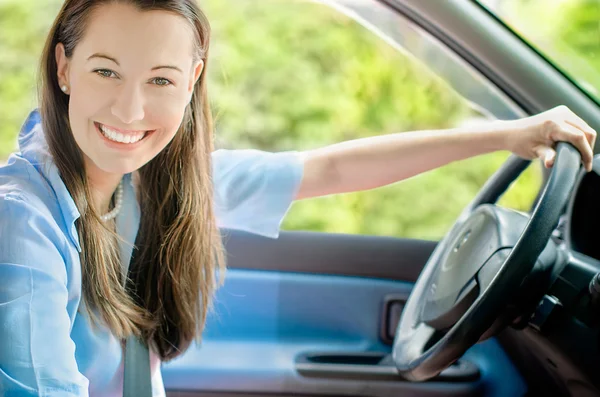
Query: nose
[129, 104]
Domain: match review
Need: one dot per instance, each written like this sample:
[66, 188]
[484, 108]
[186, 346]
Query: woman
[121, 153]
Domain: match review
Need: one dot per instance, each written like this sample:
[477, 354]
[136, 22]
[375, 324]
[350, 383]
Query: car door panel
[264, 320]
[323, 253]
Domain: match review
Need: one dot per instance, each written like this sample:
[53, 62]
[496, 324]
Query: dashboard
[583, 216]
[557, 349]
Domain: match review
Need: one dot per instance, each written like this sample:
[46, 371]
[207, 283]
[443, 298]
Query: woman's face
[130, 79]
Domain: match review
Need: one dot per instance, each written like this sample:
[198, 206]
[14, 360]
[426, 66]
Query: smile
[123, 137]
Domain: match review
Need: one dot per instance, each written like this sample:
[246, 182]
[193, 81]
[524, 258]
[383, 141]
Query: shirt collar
[34, 148]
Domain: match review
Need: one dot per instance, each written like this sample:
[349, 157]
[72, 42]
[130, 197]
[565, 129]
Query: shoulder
[29, 213]
[256, 163]
[22, 182]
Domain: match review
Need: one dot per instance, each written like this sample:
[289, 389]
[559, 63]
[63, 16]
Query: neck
[103, 185]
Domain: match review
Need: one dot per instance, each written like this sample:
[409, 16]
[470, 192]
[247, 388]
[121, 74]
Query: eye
[105, 73]
[161, 81]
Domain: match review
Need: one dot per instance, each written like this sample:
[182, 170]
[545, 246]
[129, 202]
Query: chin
[116, 167]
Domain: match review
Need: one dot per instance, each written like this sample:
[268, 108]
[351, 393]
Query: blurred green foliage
[568, 32]
[23, 27]
[295, 75]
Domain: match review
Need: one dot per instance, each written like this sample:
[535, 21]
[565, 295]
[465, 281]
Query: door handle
[392, 310]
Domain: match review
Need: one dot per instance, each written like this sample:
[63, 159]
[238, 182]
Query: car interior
[506, 304]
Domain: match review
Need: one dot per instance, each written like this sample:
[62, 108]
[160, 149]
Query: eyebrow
[167, 67]
[100, 55]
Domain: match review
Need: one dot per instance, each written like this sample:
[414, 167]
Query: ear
[62, 65]
[196, 73]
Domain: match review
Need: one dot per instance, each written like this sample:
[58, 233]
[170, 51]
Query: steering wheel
[482, 261]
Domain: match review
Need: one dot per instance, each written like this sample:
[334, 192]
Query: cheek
[86, 101]
[167, 119]
[166, 112]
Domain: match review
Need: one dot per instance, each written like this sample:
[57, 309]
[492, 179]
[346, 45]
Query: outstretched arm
[377, 161]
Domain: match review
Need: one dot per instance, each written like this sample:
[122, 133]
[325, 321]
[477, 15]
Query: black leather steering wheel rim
[415, 357]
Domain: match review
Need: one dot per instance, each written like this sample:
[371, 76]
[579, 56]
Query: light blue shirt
[47, 344]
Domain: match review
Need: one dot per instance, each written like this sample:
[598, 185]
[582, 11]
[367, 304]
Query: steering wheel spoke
[488, 271]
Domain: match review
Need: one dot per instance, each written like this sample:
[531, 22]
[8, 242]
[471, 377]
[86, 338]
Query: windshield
[566, 32]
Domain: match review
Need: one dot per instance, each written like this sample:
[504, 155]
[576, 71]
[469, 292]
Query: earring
[64, 88]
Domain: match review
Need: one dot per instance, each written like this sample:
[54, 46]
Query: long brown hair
[179, 256]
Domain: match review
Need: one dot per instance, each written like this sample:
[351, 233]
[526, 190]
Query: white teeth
[118, 137]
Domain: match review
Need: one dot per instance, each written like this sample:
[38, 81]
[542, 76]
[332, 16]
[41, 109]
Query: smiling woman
[103, 118]
[110, 207]
[115, 78]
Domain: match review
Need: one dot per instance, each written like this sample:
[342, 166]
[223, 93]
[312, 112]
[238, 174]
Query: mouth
[122, 138]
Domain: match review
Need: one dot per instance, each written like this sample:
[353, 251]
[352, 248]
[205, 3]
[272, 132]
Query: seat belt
[137, 380]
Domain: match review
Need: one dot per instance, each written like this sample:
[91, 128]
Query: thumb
[549, 157]
[546, 154]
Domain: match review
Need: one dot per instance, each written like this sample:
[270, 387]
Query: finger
[589, 132]
[546, 154]
[577, 122]
[577, 138]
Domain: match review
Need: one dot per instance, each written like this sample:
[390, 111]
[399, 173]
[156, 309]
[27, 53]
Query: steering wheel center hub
[454, 286]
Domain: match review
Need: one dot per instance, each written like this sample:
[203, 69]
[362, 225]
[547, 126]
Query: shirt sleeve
[254, 189]
[37, 354]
